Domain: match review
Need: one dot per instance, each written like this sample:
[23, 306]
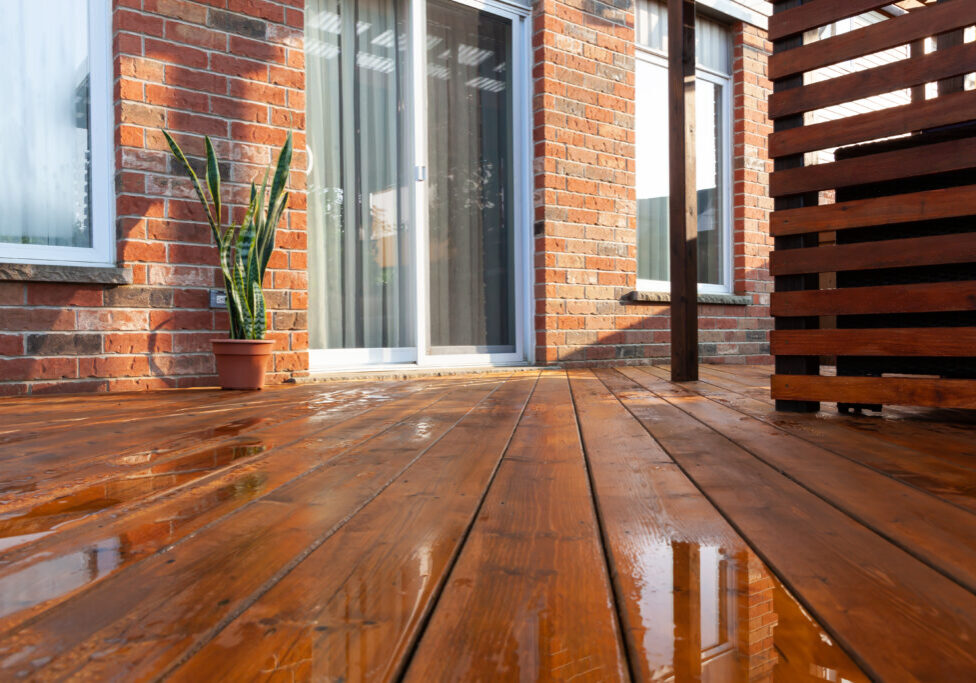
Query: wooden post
[683, 194]
[794, 365]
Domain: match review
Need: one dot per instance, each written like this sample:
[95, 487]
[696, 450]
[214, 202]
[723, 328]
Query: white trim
[101, 129]
[521, 149]
[724, 81]
[330, 359]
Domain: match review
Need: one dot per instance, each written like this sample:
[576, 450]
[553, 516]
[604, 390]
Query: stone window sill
[80, 275]
[639, 297]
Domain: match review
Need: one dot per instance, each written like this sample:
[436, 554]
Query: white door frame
[416, 127]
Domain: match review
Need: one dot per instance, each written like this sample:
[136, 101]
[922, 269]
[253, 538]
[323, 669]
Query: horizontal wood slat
[904, 208]
[904, 163]
[915, 298]
[941, 111]
[886, 34]
[944, 393]
[927, 341]
[916, 251]
[881, 79]
[812, 15]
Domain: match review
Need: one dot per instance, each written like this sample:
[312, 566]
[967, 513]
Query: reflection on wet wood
[826, 557]
[657, 528]
[602, 524]
[529, 597]
[352, 609]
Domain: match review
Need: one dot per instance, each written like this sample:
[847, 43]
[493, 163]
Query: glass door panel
[361, 259]
[471, 237]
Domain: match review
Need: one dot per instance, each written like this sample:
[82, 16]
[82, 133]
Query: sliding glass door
[470, 200]
[360, 238]
[418, 208]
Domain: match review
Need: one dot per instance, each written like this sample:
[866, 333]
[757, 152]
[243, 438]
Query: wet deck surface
[589, 525]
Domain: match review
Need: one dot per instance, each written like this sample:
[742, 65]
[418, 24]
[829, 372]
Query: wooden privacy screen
[875, 252]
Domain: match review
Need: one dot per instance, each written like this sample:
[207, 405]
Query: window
[713, 113]
[55, 132]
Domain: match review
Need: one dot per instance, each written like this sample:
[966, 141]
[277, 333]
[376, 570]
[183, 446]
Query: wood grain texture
[815, 14]
[904, 208]
[683, 193]
[143, 621]
[919, 298]
[941, 111]
[902, 253]
[383, 568]
[920, 618]
[925, 341]
[936, 463]
[924, 526]
[948, 393]
[874, 168]
[932, 20]
[654, 521]
[869, 82]
[532, 571]
[133, 530]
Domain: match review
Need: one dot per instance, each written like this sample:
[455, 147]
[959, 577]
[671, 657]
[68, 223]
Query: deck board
[651, 514]
[383, 568]
[146, 618]
[530, 597]
[923, 525]
[925, 464]
[824, 557]
[604, 524]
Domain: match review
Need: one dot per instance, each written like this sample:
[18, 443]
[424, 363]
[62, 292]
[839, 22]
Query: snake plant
[245, 248]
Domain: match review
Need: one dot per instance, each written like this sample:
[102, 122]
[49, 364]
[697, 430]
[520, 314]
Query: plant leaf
[260, 315]
[178, 153]
[213, 178]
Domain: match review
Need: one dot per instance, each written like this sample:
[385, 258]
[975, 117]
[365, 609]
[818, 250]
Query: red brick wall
[231, 69]
[585, 203]
[234, 69]
[751, 203]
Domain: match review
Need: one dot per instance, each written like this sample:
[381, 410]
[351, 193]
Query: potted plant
[244, 252]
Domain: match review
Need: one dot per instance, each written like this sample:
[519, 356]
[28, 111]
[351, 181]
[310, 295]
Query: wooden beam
[907, 118]
[684, 196]
[932, 20]
[805, 17]
[904, 391]
[881, 79]
[860, 213]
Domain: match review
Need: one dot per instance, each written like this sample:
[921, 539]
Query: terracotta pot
[241, 363]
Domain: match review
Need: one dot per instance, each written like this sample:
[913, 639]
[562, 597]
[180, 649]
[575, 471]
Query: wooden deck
[581, 525]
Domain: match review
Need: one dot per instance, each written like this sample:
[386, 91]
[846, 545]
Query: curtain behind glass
[470, 202]
[713, 46]
[45, 161]
[359, 246]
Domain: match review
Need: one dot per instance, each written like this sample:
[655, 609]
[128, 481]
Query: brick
[51, 344]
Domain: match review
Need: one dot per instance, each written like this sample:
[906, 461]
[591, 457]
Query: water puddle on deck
[49, 572]
[50, 514]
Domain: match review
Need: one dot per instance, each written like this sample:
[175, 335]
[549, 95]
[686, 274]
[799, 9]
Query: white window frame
[724, 81]
[354, 360]
[101, 124]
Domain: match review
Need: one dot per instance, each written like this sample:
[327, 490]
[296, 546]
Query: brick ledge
[638, 297]
[34, 272]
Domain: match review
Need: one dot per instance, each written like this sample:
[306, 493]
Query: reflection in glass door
[360, 245]
[470, 203]
[417, 239]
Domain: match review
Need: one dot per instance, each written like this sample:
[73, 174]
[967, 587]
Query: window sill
[639, 297]
[80, 275]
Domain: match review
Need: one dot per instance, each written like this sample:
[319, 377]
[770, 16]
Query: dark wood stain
[593, 525]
